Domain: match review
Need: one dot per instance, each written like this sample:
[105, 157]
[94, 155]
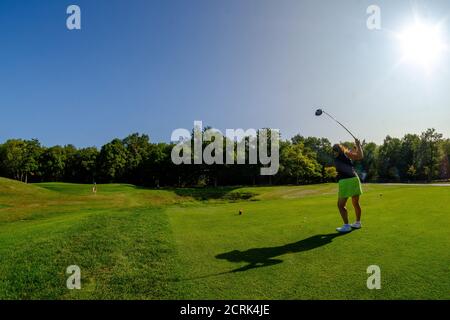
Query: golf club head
[319, 112]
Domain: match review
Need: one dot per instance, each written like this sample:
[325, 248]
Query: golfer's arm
[356, 155]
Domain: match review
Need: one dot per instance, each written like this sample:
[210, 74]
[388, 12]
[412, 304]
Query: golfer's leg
[355, 202]
[342, 209]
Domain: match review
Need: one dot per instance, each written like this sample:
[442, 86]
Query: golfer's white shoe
[356, 225]
[345, 228]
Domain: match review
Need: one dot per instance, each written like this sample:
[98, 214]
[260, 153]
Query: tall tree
[71, 167]
[429, 154]
[52, 163]
[408, 156]
[389, 155]
[322, 149]
[368, 169]
[137, 151]
[297, 166]
[112, 161]
[85, 161]
[445, 161]
[20, 158]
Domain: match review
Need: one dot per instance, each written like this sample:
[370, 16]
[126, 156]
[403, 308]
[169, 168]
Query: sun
[422, 44]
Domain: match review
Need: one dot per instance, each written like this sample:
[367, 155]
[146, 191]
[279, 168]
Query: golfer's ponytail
[344, 149]
[341, 149]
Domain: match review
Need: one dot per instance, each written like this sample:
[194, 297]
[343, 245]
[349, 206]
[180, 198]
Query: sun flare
[422, 44]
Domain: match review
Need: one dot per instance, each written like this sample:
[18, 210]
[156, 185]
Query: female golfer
[349, 184]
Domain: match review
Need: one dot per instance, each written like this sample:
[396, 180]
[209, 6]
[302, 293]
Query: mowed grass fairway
[134, 243]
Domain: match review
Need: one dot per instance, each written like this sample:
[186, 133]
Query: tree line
[303, 160]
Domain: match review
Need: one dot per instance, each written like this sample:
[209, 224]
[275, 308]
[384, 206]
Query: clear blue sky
[153, 66]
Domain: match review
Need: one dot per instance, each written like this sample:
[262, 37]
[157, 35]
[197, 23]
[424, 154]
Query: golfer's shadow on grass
[264, 257]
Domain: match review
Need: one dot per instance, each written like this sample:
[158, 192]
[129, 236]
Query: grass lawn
[135, 243]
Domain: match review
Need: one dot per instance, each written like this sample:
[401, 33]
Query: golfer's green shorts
[349, 187]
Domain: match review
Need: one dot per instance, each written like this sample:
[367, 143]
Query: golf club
[319, 112]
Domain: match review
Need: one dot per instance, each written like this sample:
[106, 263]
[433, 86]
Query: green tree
[137, 151]
[30, 164]
[52, 163]
[429, 154]
[12, 155]
[159, 169]
[71, 167]
[20, 158]
[368, 165]
[389, 155]
[85, 161]
[411, 173]
[319, 148]
[112, 161]
[408, 156]
[330, 174]
[297, 166]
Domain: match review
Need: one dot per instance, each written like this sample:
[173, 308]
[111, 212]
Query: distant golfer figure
[349, 184]
[94, 188]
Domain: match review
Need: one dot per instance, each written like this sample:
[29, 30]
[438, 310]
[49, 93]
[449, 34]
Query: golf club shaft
[339, 124]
